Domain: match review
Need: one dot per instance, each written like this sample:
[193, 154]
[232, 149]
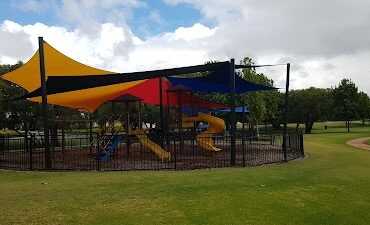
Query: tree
[346, 98]
[310, 105]
[262, 105]
[10, 112]
[364, 107]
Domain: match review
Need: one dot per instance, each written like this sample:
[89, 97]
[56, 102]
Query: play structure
[215, 126]
[186, 132]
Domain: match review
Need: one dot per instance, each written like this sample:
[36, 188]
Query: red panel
[149, 92]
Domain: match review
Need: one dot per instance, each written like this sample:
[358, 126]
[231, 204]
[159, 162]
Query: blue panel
[218, 82]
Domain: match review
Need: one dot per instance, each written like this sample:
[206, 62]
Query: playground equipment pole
[44, 104]
[232, 116]
[286, 110]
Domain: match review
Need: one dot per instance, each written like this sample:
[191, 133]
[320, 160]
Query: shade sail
[56, 64]
[149, 92]
[218, 81]
[75, 85]
[87, 99]
[60, 84]
[59, 65]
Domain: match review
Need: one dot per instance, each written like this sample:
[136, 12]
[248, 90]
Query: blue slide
[109, 150]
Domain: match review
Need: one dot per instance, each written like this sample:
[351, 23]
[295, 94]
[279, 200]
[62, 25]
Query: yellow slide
[144, 140]
[215, 125]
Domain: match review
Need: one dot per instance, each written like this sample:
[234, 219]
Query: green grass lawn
[367, 142]
[330, 186]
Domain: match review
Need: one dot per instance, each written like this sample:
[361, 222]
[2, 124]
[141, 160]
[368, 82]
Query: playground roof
[126, 98]
[75, 85]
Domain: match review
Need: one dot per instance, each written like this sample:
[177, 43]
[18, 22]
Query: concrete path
[359, 143]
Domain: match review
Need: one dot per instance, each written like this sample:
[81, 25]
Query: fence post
[2, 148]
[175, 151]
[286, 108]
[301, 147]
[232, 113]
[31, 151]
[98, 152]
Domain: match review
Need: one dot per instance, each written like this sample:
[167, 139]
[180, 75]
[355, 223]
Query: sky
[325, 41]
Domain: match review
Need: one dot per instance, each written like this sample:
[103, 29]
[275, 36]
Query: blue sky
[152, 18]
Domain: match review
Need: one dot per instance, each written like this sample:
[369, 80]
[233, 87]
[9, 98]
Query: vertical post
[31, 156]
[243, 134]
[139, 116]
[64, 136]
[286, 111]
[168, 120]
[127, 128]
[44, 104]
[90, 132]
[25, 124]
[232, 115]
[301, 143]
[98, 153]
[161, 111]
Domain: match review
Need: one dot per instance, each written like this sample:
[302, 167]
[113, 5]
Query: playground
[190, 131]
[331, 186]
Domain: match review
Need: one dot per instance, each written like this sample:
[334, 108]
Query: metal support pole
[161, 111]
[64, 136]
[90, 132]
[286, 111]
[168, 120]
[243, 134]
[44, 104]
[25, 123]
[31, 151]
[139, 116]
[98, 153]
[232, 115]
[301, 146]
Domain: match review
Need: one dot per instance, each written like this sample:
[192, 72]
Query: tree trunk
[348, 126]
[308, 127]
[297, 126]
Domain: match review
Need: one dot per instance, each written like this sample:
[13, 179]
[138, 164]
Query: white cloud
[309, 34]
[114, 48]
[324, 40]
[196, 32]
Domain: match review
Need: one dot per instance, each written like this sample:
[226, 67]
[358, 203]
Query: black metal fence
[178, 151]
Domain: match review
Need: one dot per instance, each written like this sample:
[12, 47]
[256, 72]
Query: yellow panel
[56, 64]
[88, 99]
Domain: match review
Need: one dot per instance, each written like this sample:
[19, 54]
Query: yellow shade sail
[57, 64]
[87, 99]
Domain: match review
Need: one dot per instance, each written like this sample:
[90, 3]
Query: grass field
[330, 186]
[367, 142]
